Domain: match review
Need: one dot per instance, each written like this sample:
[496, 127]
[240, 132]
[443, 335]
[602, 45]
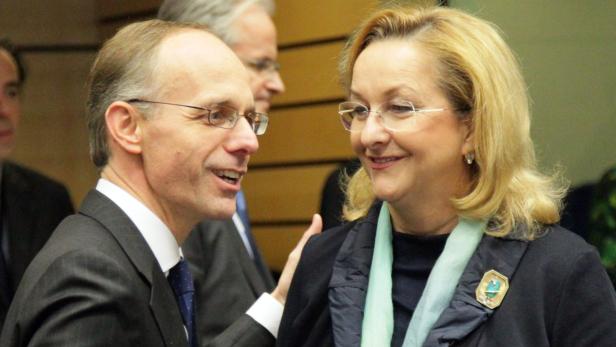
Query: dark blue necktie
[182, 284]
[242, 211]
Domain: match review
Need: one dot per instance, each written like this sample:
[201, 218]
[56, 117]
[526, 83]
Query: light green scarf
[378, 323]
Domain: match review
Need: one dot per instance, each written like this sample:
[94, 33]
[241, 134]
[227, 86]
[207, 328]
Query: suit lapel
[464, 313]
[349, 281]
[162, 301]
[166, 312]
[249, 268]
[263, 269]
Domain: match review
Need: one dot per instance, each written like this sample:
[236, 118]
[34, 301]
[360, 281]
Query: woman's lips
[381, 163]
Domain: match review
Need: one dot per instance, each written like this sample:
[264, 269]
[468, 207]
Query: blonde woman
[452, 237]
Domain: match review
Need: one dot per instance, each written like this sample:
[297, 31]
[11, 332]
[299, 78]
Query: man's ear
[124, 126]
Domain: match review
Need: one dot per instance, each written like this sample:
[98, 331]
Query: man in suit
[31, 205]
[171, 128]
[229, 271]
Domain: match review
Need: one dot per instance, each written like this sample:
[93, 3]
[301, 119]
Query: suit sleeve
[221, 292]
[94, 312]
[244, 332]
[586, 312]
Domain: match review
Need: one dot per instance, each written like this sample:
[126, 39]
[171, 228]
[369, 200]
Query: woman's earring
[470, 158]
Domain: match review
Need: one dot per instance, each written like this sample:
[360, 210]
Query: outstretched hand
[280, 292]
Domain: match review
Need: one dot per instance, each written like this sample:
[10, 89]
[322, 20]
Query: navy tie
[242, 210]
[182, 284]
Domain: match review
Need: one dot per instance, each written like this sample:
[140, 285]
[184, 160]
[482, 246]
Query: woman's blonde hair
[478, 73]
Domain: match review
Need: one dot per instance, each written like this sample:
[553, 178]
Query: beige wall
[568, 54]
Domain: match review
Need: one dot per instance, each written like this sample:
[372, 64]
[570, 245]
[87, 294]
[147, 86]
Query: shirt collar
[156, 234]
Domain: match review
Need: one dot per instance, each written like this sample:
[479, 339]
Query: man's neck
[136, 187]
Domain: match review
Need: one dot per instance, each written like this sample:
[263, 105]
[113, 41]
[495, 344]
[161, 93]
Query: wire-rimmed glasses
[395, 116]
[222, 116]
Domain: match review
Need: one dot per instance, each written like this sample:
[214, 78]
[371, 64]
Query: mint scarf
[378, 323]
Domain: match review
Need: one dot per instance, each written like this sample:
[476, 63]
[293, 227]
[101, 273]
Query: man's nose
[243, 138]
[275, 84]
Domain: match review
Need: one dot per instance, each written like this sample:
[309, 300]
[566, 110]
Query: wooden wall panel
[276, 242]
[35, 22]
[310, 73]
[284, 194]
[106, 30]
[304, 124]
[120, 8]
[298, 20]
[310, 133]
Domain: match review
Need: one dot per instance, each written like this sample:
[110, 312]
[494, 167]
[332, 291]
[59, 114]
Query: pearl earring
[469, 157]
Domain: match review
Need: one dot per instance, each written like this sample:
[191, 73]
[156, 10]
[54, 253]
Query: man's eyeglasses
[394, 116]
[222, 116]
[263, 66]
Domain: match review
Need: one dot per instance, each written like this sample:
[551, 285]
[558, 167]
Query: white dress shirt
[156, 234]
[267, 311]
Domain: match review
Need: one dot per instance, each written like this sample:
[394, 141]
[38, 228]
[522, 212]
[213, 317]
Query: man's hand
[280, 292]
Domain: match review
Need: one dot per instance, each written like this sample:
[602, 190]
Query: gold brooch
[492, 289]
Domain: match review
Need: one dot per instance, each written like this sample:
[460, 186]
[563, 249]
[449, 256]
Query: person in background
[452, 238]
[31, 205]
[229, 271]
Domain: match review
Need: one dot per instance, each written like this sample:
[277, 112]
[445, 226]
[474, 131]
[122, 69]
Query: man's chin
[221, 212]
[262, 106]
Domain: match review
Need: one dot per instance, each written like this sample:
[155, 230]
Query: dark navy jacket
[559, 293]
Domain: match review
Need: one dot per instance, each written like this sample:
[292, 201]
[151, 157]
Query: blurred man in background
[31, 205]
[229, 271]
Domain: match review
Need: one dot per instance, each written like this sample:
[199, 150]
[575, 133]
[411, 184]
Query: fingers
[280, 292]
[314, 228]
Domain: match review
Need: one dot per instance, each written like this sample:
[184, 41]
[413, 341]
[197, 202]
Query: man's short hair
[124, 69]
[218, 15]
[7, 45]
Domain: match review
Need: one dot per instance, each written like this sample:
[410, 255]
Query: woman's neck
[432, 219]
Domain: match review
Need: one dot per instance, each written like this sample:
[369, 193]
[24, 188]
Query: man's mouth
[230, 176]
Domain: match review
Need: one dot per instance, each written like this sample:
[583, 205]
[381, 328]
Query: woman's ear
[469, 139]
[124, 126]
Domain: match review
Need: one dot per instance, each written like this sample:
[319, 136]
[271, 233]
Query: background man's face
[195, 169]
[256, 44]
[10, 107]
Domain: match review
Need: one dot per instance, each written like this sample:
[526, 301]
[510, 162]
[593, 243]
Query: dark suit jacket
[95, 283]
[227, 282]
[32, 206]
[559, 294]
